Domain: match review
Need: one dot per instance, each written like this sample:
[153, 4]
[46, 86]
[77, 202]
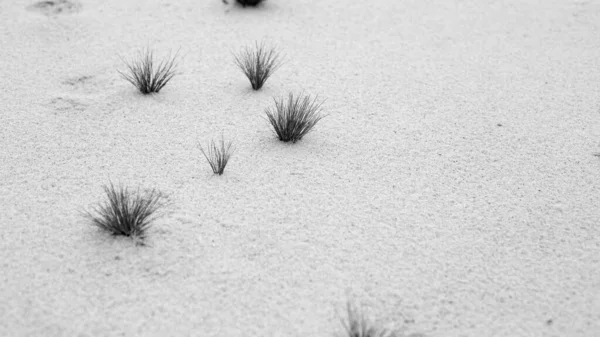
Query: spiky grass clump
[258, 63]
[126, 212]
[148, 76]
[218, 155]
[357, 325]
[293, 119]
[244, 3]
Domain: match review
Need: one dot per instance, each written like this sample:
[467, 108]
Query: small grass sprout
[258, 63]
[146, 74]
[294, 118]
[218, 155]
[357, 325]
[126, 212]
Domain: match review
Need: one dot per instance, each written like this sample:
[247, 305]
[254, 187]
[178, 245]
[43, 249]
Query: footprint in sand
[78, 81]
[55, 7]
[65, 104]
[84, 84]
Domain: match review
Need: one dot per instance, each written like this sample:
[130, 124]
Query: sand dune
[452, 189]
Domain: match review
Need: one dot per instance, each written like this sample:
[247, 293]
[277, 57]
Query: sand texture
[452, 189]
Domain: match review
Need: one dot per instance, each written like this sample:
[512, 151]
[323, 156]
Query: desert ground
[451, 190]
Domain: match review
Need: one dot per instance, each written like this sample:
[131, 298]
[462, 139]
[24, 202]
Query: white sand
[409, 197]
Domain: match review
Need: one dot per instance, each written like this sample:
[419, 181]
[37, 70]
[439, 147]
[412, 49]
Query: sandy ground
[452, 190]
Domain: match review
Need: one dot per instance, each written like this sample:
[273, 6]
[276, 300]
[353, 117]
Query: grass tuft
[358, 325]
[126, 212]
[258, 63]
[218, 155]
[148, 76]
[293, 119]
[244, 3]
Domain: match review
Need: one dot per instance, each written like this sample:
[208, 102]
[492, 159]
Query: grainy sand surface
[452, 190]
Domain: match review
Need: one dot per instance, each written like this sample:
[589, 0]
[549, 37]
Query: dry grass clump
[218, 155]
[146, 74]
[294, 118]
[258, 63]
[126, 212]
[357, 325]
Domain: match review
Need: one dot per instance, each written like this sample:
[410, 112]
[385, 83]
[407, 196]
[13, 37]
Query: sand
[452, 190]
